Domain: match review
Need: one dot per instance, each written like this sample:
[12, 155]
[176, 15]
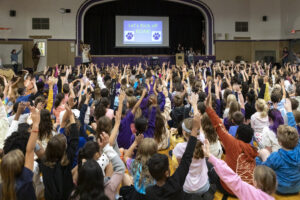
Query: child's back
[286, 162]
[197, 178]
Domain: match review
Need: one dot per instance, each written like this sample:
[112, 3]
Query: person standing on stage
[14, 59]
[35, 56]
[190, 55]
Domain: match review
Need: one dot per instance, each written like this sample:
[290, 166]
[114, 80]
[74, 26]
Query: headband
[185, 128]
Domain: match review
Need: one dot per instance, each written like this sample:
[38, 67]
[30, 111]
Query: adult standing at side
[35, 56]
[14, 59]
[285, 55]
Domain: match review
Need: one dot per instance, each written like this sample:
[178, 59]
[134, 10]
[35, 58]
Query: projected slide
[137, 31]
[143, 32]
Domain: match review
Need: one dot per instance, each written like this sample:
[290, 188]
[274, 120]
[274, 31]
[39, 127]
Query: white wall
[283, 15]
[226, 13]
[271, 29]
[62, 26]
[290, 18]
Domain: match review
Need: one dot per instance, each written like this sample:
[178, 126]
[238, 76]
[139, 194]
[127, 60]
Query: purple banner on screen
[143, 32]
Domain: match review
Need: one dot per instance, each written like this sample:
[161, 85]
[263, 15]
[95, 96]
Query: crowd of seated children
[132, 132]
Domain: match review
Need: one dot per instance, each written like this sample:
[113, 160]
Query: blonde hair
[287, 136]
[265, 179]
[262, 107]
[146, 149]
[12, 165]
[233, 107]
[230, 98]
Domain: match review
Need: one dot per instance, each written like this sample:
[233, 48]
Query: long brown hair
[208, 129]
[56, 151]
[11, 166]
[45, 126]
[160, 128]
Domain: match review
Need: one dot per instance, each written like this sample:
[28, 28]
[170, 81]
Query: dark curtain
[185, 25]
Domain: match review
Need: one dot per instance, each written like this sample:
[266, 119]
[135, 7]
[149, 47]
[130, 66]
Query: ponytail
[198, 153]
[262, 107]
[264, 113]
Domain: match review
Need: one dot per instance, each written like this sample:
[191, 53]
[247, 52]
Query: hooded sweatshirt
[233, 147]
[286, 165]
[258, 123]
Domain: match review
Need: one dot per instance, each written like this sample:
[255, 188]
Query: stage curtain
[99, 25]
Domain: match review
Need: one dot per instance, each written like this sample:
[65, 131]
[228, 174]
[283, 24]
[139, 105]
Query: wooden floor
[218, 196]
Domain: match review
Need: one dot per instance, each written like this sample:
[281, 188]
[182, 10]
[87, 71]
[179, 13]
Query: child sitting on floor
[264, 179]
[167, 187]
[286, 161]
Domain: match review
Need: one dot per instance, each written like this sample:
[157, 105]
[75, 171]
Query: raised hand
[35, 115]
[103, 140]
[288, 105]
[205, 148]
[196, 124]
[122, 96]
[193, 99]
[71, 102]
[165, 92]
[139, 139]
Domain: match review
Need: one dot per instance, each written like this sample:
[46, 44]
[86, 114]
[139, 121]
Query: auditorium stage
[135, 59]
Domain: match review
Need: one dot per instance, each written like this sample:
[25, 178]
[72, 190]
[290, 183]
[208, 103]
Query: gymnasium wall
[59, 51]
[282, 16]
[228, 50]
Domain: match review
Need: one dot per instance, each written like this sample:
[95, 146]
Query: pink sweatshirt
[240, 188]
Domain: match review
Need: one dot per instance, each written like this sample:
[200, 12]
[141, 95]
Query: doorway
[42, 45]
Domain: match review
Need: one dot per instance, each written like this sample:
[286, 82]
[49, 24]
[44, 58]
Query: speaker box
[68, 10]
[12, 13]
[265, 18]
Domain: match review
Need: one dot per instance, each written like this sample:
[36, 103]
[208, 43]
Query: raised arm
[228, 176]
[4, 124]
[183, 168]
[29, 156]
[224, 136]
[129, 153]
[117, 163]
[137, 105]
[115, 130]
[73, 137]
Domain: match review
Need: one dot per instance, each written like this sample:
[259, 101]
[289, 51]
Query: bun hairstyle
[187, 126]
[262, 107]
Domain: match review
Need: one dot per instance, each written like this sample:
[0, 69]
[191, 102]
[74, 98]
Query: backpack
[245, 168]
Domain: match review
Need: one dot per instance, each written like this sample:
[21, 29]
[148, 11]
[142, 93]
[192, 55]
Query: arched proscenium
[195, 3]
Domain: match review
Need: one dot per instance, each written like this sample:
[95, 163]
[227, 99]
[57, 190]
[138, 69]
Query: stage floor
[135, 59]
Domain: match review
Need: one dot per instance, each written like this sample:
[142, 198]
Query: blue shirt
[24, 99]
[14, 56]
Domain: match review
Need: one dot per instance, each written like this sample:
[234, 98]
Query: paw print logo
[129, 35]
[156, 36]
